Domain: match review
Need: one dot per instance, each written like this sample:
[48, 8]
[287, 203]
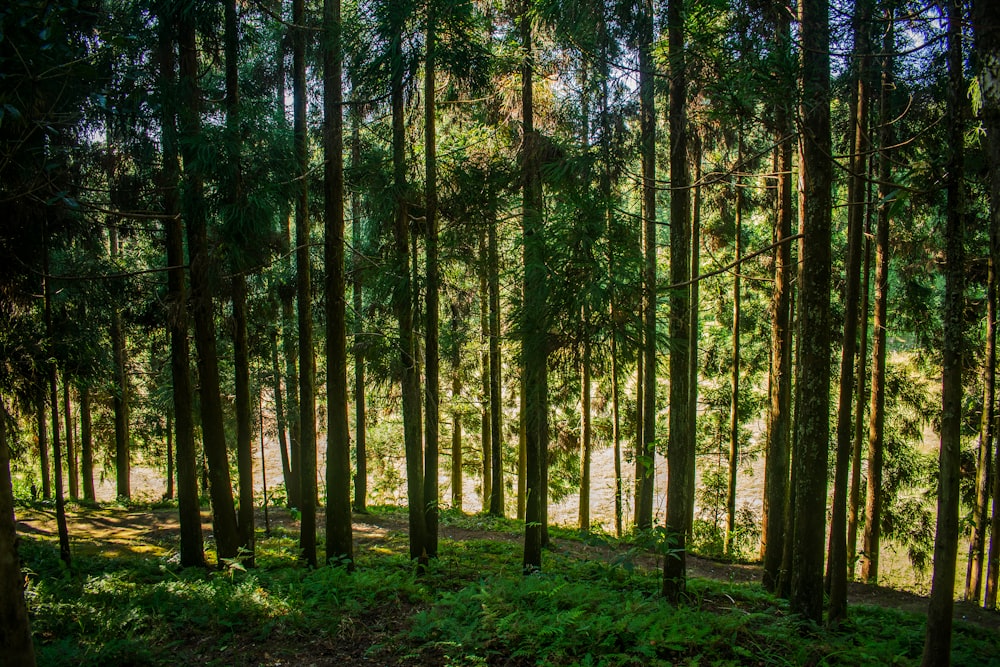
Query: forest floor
[119, 534]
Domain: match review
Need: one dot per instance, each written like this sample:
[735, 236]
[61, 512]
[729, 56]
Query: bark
[360, 420]
[496, 387]
[937, 640]
[193, 209]
[876, 434]
[534, 325]
[121, 390]
[776, 467]
[169, 494]
[339, 536]
[585, 430]
[303, 293]
[403, 306]
[42, 436]
[522, 452]
[681, 441]
[734, 378]
[86, 446]
[432, 361]
[646, 481]
[486, 421]
[241, 349]
[695, 317]
[860, 380]
[74, 477]
[456, 418]
[53, 378]
[281, 423]
[986, 25]
[15, 627]
[837, 567]
[808, 535]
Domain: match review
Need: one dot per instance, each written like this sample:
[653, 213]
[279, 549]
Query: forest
[473, 332]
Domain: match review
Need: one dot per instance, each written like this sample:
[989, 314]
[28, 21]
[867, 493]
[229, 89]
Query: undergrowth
[472, 606]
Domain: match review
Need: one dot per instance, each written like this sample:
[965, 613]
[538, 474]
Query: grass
[471, 607]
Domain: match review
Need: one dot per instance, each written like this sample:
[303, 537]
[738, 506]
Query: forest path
[117, 532]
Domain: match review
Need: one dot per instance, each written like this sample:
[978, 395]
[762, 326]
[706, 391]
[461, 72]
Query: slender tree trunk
[281, 422]
[986, 27]
[339, 536]
[534, 324]
[522, 452]
[486, 421]
[647, 130]
[734, 379]
[876, 434]
[808, 534]
[456, 417]
[241, 349]
[937, 641]
[640, 465]
[74, 477]
[585, 429]
[64, 553]
[86, 446]
[403, 305]
[776, 467]
[169, 495]
[680, 444]
[42, 437]
[360, 419]
[432, 360]
[303, 289]
[695, 317]
[860, 380]
[496, 387]
[986, 23]
[15, 626]
[837, 567]
[193, 207]
[121, 390]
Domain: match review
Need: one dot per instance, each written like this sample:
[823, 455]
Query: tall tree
[734, 377]
[195, 219]
[814, 339]
[534, 325]
[986, 22]
[856, 195]
[876, 434]
[646, 478]
[120, 358]
[680, 444]
[87, 445]
[303, 290]
[432, 358]
[339, 537]
[779, 421]
[937, 641]
[496, 387]
[192, 549]
[360, 411]
[53, 382]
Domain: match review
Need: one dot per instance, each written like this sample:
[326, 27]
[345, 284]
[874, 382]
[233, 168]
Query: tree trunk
[647, 129]
[876, 434]
[281, 423]
[486, 420]
[585, 430]
[534, 326]
[734, 378]
[303, 290]
[776, 467]
[456, 417]
[193, 208]
[169, 494]
[86, 446]
[808, 534]
[860, 380]
[360, 420]
[74, 477]
[986, 23]
[986, 26]
[121, 391]
[432, 361]
[496, 387]
[403, 304]
[680, 444]
[339, 536]
[42, 437]
[64, 553]
[695, 317]
[937, 641]
[15, 626]
[522, 452]
[858, 136]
